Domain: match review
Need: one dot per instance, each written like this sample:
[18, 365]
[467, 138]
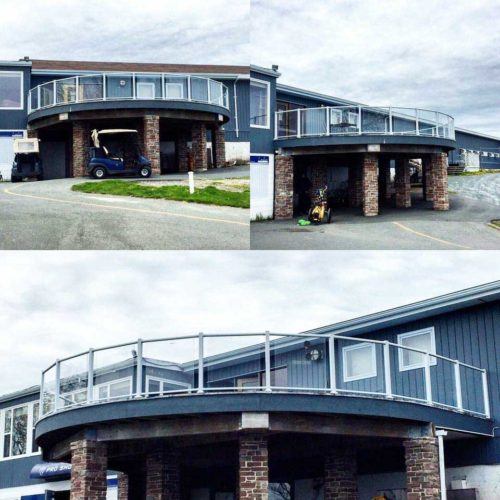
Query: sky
[168, 31]
[437, 54]
[55, 304]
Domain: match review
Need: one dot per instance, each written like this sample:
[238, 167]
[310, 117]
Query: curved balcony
[141, 89]
[363, 124]
[337, 370]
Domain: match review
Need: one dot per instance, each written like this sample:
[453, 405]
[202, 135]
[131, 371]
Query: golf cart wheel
[99, 173]
[145, 172]
[329, 216]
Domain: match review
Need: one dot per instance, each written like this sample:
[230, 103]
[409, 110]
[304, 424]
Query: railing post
[458, 386]
[437, 123]
[163, 86]
[387, 370]
[201, 368]
[77, 97]
[276, 125]
[138, 387]
[54, 91]
[428, 386]
[134, 94]
[189, 87]
[42, 391]
[267, 360]
[57, 389]
[104, 96]
[417, 123]
[90, 375]
[38, 97]
[333, 373]
[486, 395]
[299, 125]
[209, 92]
[359, 120]
[328, 120]
[390, 121]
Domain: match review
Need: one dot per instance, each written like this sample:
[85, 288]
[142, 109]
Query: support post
[57, 389]
[486, 395]
[387, 370]
[138, 389]
[428, 381]
[267, 361]
[200, 363]
[331, 355]
[90, 375]
[458, 386]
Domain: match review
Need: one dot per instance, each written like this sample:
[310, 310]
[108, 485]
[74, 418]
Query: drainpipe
[237, 128]
[440, 434]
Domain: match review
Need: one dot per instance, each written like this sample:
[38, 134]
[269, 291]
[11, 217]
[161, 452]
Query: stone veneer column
[422, 469]
[32, 133]
[402, 184]
[199, 146]
[219, 147]
[283, 187]
[81, 143]
[163, 475]
[355, 186]
[439, 168]
[88, 470]
[151, 137]
[182, 152]
[427, 182]
[253, 467]
[122, 486]
[341, 475]
[370, 185]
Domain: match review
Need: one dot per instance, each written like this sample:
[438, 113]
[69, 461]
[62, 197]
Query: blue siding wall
[476, 143]
[262, 140]
[17, 119]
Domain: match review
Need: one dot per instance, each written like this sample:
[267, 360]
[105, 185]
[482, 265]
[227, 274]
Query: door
[7, 152]
[261, 186]
[53, 155]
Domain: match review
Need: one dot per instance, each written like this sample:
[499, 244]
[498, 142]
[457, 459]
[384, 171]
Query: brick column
[81, 143]
[253, 467]
[182, 152]
[340, 475]
[422, 469]
[370, 185]
[355, 186]
[199, 146]
[122, 486]
[283, 187]
[427, 182]
[439, 168]
[88, 470]
[402, 184]
[163, 475]
[32, 133]
[219, 147]
[151, 138]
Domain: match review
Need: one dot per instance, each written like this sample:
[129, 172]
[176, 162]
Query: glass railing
[362, 120]
[264, 362]
[128, 86]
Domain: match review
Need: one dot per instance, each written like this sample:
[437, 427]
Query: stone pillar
[81, 143]
[88, 470]
[219, 147]
[340, 475]
[32, 133]
[122, 486]
[427, 182]
[163, 475]
[422, 469]
[370, 185]
[402, 184]
[283, 187]
[151, 138]
[199, 146]
[355, 186]
[182, 152]
[253, 467]
[439, 167]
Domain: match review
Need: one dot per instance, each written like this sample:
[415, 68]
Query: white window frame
[151, 85]
[335, 116]
[267, 126]
[98, 386]
[182, 385]
[416, 366]
[22, 89]
[176, 85]
[353, 347]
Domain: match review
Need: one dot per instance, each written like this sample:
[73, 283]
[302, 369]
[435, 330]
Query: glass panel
[34, 98]
[66, 90]
[215, 92]
[49, 387]
[359, 361]
[199, 89]
[47, 94]
[119, 86]
[427, 122]
[313, 121]
[287, 123]
[153, 387]
[344, 120]
[73, 382]
[225, 96]
[19, 430]
[375, 121]
[404, 121]
[148, 86]
[407, 383]
[8, 421]
[176, 87]
[119, 389]
[412, 358]
[10, 90]
[90, 88]
[259, 104]
[472, 389]
[6, 445]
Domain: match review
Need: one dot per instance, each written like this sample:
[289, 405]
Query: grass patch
[481, 172]
[496, 223]
[209, 195]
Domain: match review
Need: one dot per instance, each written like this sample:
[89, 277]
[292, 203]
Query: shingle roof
[40, 64]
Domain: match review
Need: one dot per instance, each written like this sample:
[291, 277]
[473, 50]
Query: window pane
[359, 362]
[103, 392]
[423, 342]
[119, 389]
[154, 386]
[6, 445]
[19, 430]
[258, 104]
[279, 377]
[8, 419]
[10, 91]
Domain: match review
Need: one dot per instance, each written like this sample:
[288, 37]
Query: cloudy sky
[170, 31]
[438, 54]
[54, 304]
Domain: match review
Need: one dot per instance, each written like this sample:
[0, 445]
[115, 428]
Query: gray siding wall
[474, 142]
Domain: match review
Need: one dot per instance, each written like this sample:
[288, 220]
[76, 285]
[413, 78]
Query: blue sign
[43, 470]
[259, 159]
[11, 133]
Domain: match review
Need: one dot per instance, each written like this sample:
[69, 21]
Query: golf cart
[117, 152]
[27, 162]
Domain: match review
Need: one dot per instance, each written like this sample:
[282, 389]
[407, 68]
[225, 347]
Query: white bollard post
[191, 182]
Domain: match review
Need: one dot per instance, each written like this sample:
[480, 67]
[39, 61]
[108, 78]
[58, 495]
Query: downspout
[237, 128]
[440, 434]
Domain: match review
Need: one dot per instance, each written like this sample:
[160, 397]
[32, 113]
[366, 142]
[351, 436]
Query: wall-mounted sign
[373, 148]
[63, 116]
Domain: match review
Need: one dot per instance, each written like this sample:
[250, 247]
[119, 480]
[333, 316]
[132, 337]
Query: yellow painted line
[141, 210]
[418, 233]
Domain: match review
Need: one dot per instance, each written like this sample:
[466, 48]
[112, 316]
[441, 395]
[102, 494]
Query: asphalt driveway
[465, 226]
[48, 215]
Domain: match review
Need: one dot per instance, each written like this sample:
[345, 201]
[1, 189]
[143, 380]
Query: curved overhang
[54, 428]
[184, 109]
[361, 143]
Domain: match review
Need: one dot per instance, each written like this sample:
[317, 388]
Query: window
[421, 339]
[15, 431]
[157, 386]
[145, 90]
[359, 362]
[114, 389]
[335, 116]
[174, 91]
[260, 94]
[11, 90]
[36, 414]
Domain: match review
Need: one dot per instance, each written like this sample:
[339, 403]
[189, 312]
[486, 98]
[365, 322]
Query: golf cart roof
[96, 133]
[26, 146]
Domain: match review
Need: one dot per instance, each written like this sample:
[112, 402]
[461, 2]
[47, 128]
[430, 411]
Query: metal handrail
[418, 121]
[75, 94]
[265, 346]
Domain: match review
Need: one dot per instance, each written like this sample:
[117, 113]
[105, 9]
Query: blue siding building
[354, 400]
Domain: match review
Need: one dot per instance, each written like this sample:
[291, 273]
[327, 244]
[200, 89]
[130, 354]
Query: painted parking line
[130, 209]
[428, 236]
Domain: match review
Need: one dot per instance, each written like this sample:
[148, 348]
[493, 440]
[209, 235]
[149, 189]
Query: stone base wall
[163, 475]
[370, 185]
[439, 167]
[32, 134]
[81, 143]
[219, 147]
[253, 467]
[283, 187]
[402, 184]
[422, 469]
[199, 146]
[152, 141]
[340, 475]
